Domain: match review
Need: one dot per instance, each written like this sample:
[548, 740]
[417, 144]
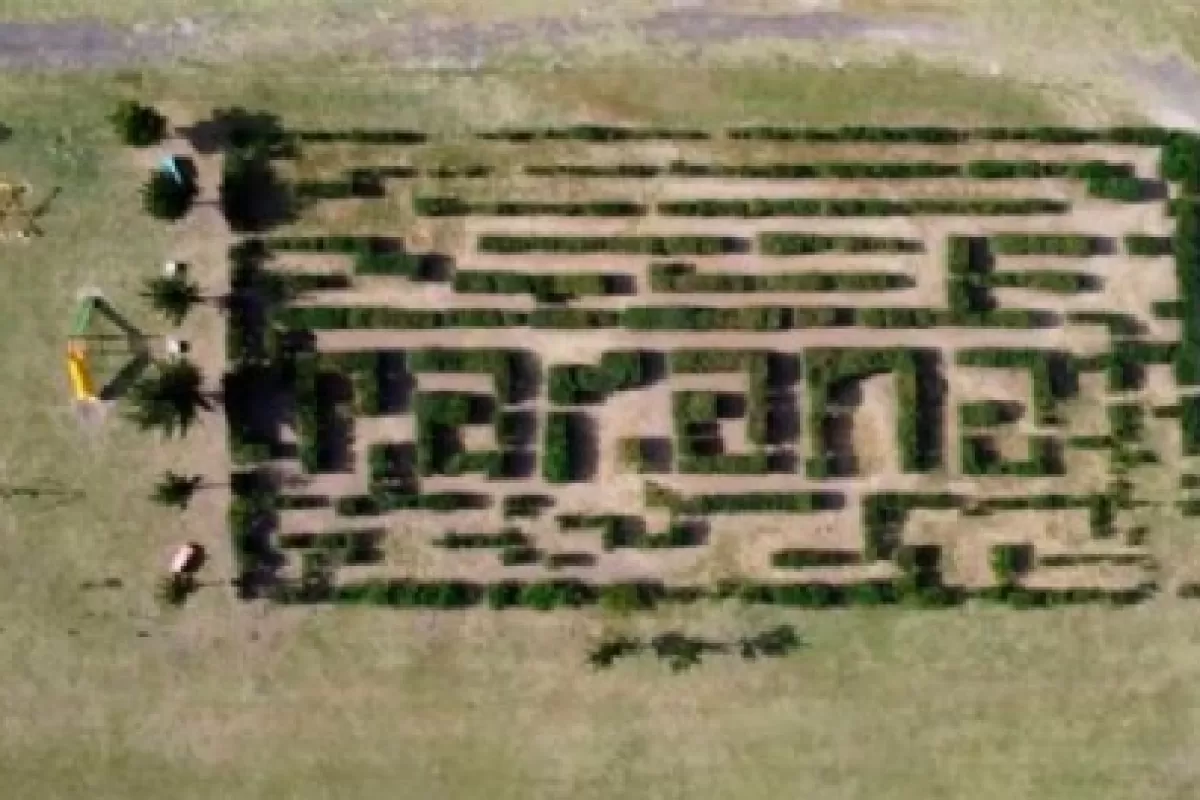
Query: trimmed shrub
[1062, 244]
[632, 245]
[165, 198]
[453, 206]
[786, 244]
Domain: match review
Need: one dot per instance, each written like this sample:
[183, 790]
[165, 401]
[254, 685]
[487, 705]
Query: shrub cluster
[457, 207]
[787, 244]
[884, 516]
[252, 517]
[686, 360]
[385, 499]
[693, 463]
[756, 208]
[1180, 162]
[681, 277]
[630, 245]
[526, 505]
[166, 198]
[319, 417]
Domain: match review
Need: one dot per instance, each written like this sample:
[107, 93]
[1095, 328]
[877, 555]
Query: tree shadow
[125, 378]
[238, 129]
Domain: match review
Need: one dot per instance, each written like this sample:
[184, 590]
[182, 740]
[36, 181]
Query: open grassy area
[104, 694]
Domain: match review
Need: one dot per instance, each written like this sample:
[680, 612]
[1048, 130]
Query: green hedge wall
[758, 208]
[442, 206]
[786, 244]
[628, 245]
[1061, 244]
[679, 277]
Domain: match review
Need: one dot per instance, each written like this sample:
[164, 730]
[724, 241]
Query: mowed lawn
[104, 695]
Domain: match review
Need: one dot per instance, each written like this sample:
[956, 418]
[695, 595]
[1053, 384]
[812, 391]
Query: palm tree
[168, 399]
[172, 296]
[174, 489]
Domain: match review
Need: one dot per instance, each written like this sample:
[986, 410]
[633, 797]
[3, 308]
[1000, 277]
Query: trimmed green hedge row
[758, 208]
[544, 286]
[619, 370]
[1057, 281]
[652, 318]
[1137, 244]
[984, 414]
[373, 255]
[549, 595]
[682, 277]
[941, 135]
[382, 500]
[1026, 244]
[1189, 424]
[800, 558]
[318, 415]
[884, 515]
[1187, 276]
[560, 456]
[501, 364]
[593, 170]
[1180, 162]
[457, 207]
[456, 540]
[359, 136]
[593, 133]
[786, 244]
[251, 517]
[687, 360]
[627, 245]
[724, 464]
[892, 170]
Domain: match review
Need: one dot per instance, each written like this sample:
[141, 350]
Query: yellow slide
[81, 376]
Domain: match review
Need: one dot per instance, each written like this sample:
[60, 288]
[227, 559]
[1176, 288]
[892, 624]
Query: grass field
[224, 699]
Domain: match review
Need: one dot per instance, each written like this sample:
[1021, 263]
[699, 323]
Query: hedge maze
[813, 377]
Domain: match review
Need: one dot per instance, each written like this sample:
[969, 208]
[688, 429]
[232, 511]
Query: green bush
[1057, 281]
[138, 125]
[631, 245]
[787, 244]
[453, 206]
[681, 278]
[165, 198]
[1062, 244]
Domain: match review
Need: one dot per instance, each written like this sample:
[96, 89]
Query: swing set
[84, 341]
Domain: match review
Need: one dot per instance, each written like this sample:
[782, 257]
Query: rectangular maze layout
[791, 365]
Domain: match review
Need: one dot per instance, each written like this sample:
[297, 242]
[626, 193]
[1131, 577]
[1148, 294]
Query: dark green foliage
[594, 170]
[360, 136]
[560, 459]
[857, 207]
[979, 457]
[526, 505]
[1057, 281]
[788, 244]
[1143, 245]
[454, 206]
[1180, 162]
[1060, 244]
[252, 197]
[165, 198]
[175, 490]
[138, 125]
[1010, 561]
[698, 318]
[691, 360]
[631, 245]
[544, 286]
[1189, 424]
[850, 133]
[684, 278]
[884, 516]
[173, 297]
[507, 537]
[1125, 421]
[251, 519]
[1187, 276]
[1052, 372]
[593, 133]
[608, 651]
[799, 558]
[169, 398]
[984, 414]
[891, 170]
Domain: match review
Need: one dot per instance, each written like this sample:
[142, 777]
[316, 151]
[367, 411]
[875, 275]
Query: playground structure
[80, 369]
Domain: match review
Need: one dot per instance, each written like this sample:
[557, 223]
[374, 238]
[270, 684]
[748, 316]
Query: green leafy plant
[174, 489]
[173, 297]
[166, 198]
[138, 125]
[168, 399]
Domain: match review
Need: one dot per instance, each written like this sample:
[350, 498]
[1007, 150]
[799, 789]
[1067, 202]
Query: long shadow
[125, 378]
